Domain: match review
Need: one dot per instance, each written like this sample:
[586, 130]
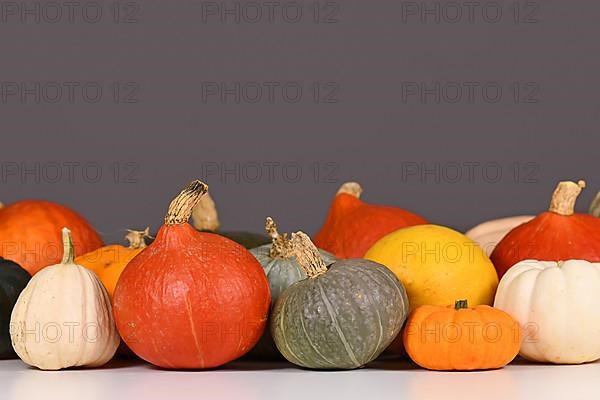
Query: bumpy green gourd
[341, 317]
[282, 270]
[13, 280]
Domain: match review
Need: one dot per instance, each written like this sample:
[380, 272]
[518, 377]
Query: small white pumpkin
[489, 233]
[63, 317]
[557, 305]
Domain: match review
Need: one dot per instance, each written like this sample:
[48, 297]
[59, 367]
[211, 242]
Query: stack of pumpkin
[376, 278]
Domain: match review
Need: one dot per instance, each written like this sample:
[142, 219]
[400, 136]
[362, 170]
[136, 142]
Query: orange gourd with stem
[461, 338]
[352, 226]
[555, 235]
[191, 300]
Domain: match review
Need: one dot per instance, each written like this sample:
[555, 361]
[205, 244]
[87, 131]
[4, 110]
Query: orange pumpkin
[191, 300]
[461, 338]
[109, 261]
[353, 226]
[30, 233]
[554, 235]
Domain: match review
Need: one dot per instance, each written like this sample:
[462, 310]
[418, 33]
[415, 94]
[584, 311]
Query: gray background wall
[166, 127]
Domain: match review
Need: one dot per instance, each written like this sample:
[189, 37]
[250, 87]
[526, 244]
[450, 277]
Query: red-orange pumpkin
[30, 233]
[554, 235]
[353, 226]
[191, 300]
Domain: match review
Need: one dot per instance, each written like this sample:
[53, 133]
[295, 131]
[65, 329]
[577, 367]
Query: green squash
[282, 270]
[341, 317]
[13, 280]
[206, 219]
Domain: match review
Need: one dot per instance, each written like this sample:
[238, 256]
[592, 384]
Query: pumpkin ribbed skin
[442, 338]
[191, 300]
[13, 280]
[30, 233]
[341, 319]
[353, 226]
[70, 310]
[281, 273]
[557, 305]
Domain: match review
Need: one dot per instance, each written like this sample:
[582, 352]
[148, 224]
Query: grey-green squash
[341, 317]
[282, 270]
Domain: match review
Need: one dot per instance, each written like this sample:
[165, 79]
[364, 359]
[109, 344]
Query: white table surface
[390, 379]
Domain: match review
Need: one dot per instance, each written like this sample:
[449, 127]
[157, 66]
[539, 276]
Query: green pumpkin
[13, 280]
[282, 270]
[341, 317]
[206, 219]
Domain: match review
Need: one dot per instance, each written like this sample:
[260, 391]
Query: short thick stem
[68, 249]
[565, 196]
[308, 255]
[181, 206]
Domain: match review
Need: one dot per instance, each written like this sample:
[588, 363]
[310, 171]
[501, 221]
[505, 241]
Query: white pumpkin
[489, 233]
[557, 305]
[63, 317]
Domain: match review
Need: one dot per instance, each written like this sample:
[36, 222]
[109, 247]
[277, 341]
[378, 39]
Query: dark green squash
[282, 270]
[206, 219]
[341, 317]
[13, 280]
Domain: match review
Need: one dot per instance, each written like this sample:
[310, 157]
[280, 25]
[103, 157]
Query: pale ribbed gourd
[341, 317]
[63, 317]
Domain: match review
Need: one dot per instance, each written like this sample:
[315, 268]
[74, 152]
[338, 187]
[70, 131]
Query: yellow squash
[109, 261]
[437, 265]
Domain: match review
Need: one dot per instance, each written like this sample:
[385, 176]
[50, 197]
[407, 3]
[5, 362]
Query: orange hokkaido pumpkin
[191, 300]
[461, 338]
[555, 235]
[30, 233]
[108, 262]
[353, 226]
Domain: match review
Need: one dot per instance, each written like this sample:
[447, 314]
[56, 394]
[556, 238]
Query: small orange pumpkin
[353, 226]
[109, 261]
[461, 338]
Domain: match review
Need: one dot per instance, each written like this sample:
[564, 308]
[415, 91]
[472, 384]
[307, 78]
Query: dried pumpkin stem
[307, 255]
[594, 207]
[181, 206]
[459, 304]
[351, 188]
[136, 239]
[204, 214]
[281, 246]
[1, 204]
[68, 250]
[565, 196]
